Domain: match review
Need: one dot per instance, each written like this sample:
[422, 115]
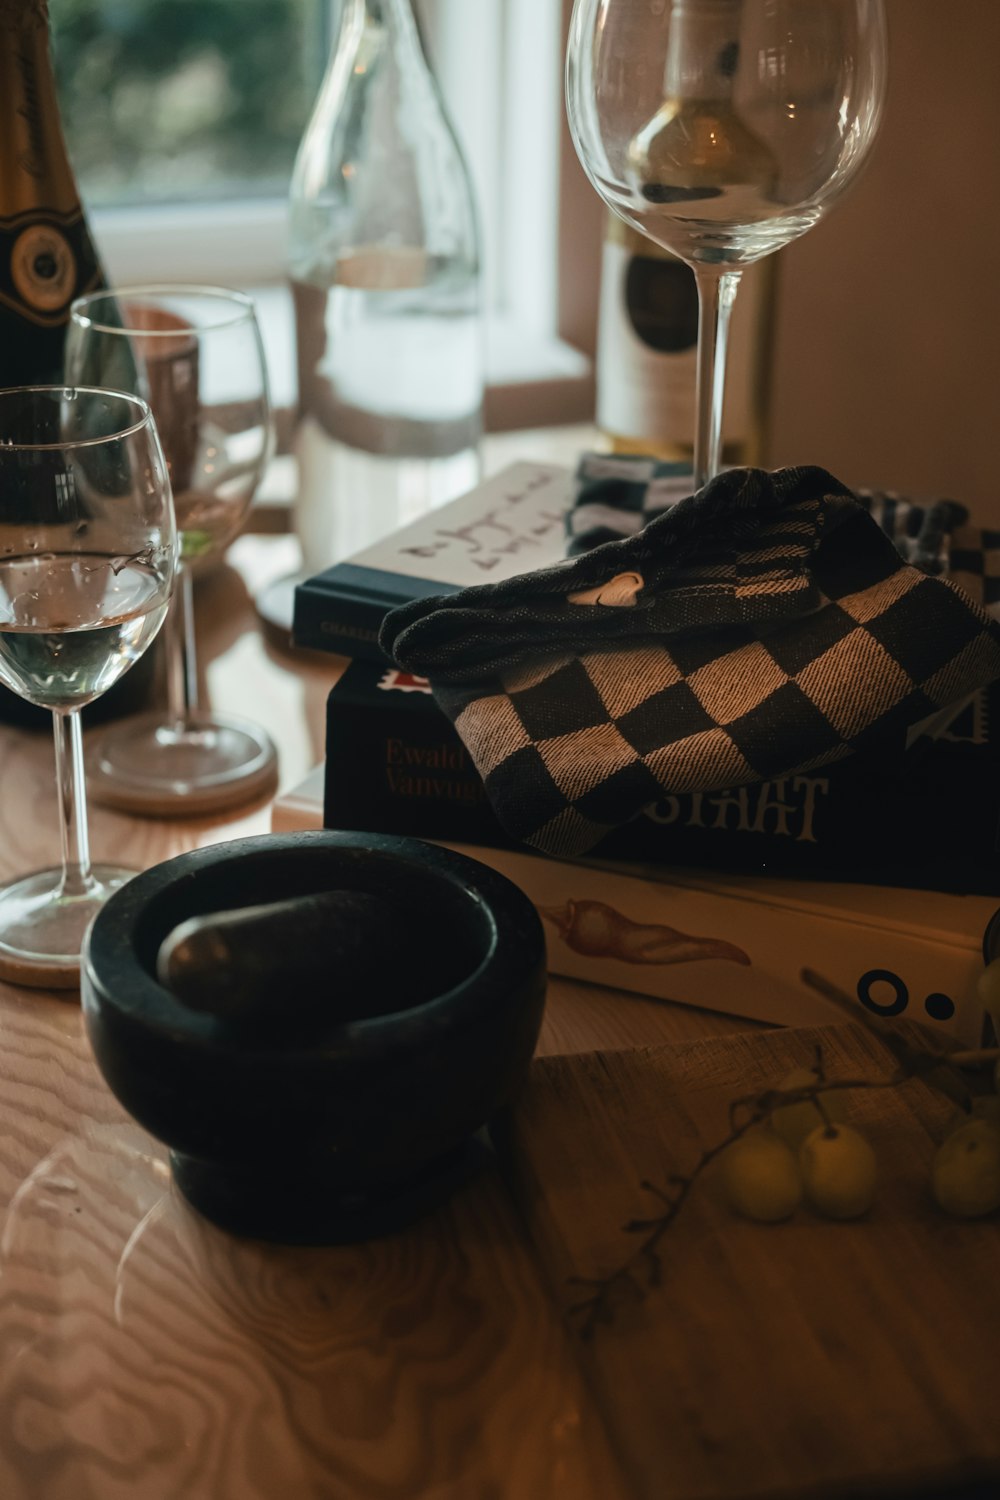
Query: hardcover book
[924, 818]
[513, 523]
[730, 943]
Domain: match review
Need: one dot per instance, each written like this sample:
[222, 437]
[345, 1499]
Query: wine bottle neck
[703, 49]
[372, 31]
[34, 168]
[395, 16]
[17, 14]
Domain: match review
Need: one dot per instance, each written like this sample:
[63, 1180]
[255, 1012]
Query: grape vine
[833, 1165]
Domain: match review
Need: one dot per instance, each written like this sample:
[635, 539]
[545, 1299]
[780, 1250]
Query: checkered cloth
[618, 495]
[776, 629]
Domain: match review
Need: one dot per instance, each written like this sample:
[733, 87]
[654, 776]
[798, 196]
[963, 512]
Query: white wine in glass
[723, 129]
[88, 555]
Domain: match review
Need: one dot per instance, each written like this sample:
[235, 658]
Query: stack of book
[880, 877]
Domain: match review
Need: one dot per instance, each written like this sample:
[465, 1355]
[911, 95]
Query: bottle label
[43, 268]
[45, 261]
[646, 368]
[647, 355]
[661, 302]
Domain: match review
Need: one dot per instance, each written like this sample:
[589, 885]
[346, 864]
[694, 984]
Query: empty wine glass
[723, 129]
[195, 354]
[88, 552]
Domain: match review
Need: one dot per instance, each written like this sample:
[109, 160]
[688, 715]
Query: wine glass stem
[77, 877]
[182, 663]
[717, 287]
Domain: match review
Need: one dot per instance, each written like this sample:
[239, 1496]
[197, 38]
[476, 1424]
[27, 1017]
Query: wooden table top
[144, 1354]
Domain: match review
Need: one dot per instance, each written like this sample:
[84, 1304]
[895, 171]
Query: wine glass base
[144, 766]
[42, 932]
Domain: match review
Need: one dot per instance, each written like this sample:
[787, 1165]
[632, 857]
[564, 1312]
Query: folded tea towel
[760, 628]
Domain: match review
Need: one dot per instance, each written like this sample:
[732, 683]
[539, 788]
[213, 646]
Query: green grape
[839, 1171]
[794, 1122]
[762, 1176]
[988, 990]
[965, 1174]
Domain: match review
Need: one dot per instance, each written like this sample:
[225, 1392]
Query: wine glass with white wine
[88, 552]
[723, 130]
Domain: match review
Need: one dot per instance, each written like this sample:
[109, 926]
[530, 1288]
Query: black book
[926, 817]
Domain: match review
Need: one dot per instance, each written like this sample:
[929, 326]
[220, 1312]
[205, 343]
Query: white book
[738, 943]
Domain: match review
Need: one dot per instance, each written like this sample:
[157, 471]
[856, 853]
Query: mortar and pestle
[317, 1025]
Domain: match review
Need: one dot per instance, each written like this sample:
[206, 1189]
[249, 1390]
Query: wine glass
[88, 552]
[195, 354]
[723, 129]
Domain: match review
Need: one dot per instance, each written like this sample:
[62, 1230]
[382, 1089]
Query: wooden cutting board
[805, 1358]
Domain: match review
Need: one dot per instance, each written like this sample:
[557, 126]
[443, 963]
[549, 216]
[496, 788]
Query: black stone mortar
[333, 1128]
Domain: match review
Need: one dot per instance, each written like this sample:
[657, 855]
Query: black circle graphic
[939, 1007]
[885, 976]
[46, 266]
[661, 299]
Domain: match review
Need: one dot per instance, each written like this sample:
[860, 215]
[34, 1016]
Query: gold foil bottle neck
[34, 169]
[15, 14]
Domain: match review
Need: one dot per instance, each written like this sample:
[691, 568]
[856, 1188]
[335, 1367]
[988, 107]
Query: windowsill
[531, 379]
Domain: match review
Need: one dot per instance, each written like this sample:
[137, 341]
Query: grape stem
[641, 1270]
[981, 1057]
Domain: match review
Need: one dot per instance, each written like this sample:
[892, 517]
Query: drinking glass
[88, 552]
[723, 129]
[195, 354]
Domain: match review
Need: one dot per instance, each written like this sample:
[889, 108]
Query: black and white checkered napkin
[763, 627]
[617, 495]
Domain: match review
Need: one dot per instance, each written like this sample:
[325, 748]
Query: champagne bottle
[647, 345]
[47, 256]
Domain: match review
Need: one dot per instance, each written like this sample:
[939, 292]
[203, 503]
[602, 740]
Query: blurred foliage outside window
[186, 100]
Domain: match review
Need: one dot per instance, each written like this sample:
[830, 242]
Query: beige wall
[888, 340]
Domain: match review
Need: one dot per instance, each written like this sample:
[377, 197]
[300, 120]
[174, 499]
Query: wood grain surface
[144, 1354]
[810, 1357]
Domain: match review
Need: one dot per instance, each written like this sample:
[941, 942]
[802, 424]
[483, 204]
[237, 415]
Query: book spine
[348, 627]
[404, 774]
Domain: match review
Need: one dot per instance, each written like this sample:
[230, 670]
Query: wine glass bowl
[88, 552]
[196, 355]
[723, 130]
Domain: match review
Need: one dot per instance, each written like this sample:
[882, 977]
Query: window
[186, 100]
[183, 131]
